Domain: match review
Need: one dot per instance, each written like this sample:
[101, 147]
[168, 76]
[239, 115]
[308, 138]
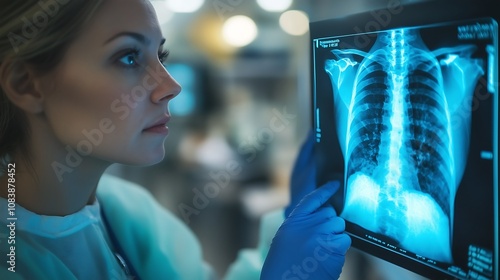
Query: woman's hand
[311, 243]
[303, 180]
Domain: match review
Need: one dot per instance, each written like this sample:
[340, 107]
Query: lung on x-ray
[406, 118]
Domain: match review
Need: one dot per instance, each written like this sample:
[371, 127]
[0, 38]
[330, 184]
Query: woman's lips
[162, 129]
[159, 126]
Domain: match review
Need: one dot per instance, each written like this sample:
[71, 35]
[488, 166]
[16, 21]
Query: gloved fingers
[337, 225]
[325, 221]
[335, 244]
[325, 212]
[303, 179]
[305, 158]
[314, 200]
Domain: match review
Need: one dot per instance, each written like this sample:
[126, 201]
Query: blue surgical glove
[303, 180]
[311, 243]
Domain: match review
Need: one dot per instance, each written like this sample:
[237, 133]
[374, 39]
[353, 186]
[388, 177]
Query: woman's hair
[36, 34]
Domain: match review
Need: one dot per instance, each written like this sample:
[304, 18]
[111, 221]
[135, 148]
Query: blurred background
[240, 120]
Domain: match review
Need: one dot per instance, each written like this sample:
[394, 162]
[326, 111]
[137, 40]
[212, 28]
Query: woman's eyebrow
[137, 36]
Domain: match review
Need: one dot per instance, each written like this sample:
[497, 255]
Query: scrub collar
[50, 226]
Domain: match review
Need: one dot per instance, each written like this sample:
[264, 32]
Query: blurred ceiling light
[162, 11]
[294, 22]
[185, 6]
[274, 5]
[239, 31]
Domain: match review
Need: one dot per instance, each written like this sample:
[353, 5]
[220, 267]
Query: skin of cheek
[81, 113]
[133, 115]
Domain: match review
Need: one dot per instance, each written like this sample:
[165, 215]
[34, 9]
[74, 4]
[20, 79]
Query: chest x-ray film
[406, 118]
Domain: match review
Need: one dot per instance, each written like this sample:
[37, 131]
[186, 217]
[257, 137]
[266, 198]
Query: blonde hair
[34, 33]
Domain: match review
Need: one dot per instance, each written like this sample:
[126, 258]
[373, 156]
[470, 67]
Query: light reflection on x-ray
[404, 156]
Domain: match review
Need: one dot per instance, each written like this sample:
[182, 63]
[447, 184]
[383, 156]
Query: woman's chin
[151, 160]
[143, 159]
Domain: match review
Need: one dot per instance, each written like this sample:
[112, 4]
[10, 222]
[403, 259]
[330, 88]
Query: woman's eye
[130, 59]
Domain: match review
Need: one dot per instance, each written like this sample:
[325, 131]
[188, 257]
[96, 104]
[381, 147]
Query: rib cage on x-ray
[404, 156]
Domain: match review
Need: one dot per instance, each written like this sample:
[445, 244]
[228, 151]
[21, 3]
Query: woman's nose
[167, 88]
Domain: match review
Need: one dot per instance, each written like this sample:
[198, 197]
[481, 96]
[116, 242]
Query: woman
[82, 86]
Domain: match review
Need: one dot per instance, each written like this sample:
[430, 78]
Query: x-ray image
[404, 112]
[404, 158]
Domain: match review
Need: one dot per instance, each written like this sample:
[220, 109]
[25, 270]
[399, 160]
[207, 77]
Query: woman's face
[109, 96]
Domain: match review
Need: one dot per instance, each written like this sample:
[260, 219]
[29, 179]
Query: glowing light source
[274, 5]
[294, 22]
[163, 13]
[185, 6]
[185, 103]
[239, 31]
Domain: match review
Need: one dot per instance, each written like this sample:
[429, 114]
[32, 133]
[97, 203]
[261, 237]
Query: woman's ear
[18, 81]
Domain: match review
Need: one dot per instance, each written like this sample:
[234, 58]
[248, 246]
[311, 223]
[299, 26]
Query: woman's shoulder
[117, 191]
[125, 199]
[130, 202]
[151, 232]
[110, 183]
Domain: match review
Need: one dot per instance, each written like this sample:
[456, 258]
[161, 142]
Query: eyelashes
[163, 55]
[131, 58]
